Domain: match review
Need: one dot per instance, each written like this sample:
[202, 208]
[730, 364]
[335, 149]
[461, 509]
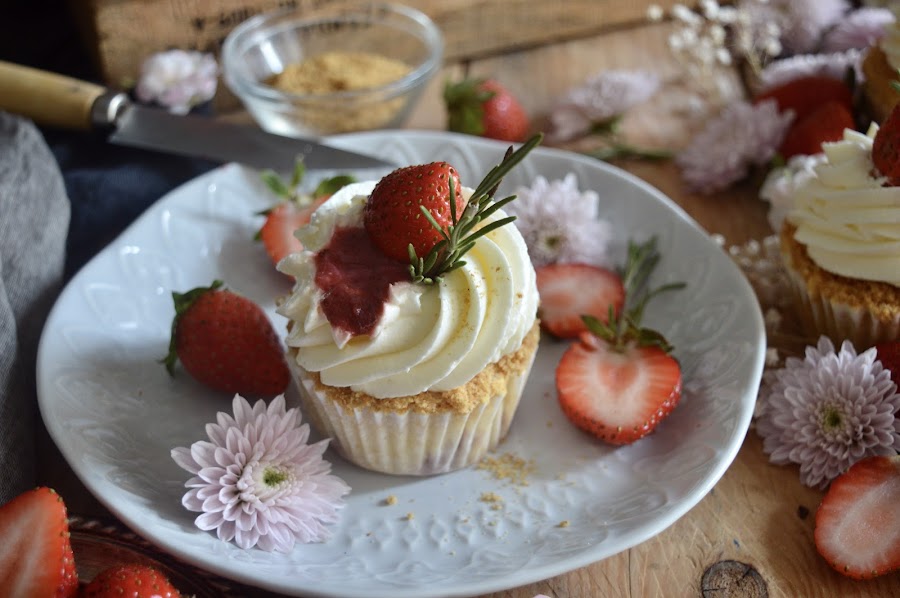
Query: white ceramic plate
[115, 414]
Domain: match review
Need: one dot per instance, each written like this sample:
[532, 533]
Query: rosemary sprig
[618, 331]
[461, 234]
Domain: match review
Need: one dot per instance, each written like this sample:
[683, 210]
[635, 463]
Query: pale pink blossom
[177, 80]
[258, 482]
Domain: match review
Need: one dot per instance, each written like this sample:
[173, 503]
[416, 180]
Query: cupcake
[880, 70]
[841, 246]
[411, 368]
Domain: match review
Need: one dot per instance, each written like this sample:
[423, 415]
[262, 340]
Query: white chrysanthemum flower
[834, 65]
[602, 97]
[829, 410]
[860, 29]
[741, 136]
[257, 481]
[561, 224]
[781, 184]
[177, 80]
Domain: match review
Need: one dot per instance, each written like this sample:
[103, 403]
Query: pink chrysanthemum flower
[741, 136]
[860, 29]
[561, 224]
[257, 481]
[829, 410]
[601, 98]
[834, 65]
[177, 80]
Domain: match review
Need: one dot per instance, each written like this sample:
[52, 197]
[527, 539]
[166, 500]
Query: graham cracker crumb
[508, 467]
[390, 500]
[410, 516]
[563, 523]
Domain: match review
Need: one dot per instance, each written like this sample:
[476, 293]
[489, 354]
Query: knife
[55, 100]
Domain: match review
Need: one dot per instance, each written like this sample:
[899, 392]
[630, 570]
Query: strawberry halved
[35, 552]
[858, 522]
[886, 147]
[277, 233]
[569, 291]
[618, 396]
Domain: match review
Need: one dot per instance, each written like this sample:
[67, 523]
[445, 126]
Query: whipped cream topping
[849, 221]
[430, 337]
[890, 41]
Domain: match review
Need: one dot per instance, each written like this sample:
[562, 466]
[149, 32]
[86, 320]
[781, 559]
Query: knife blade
[59, 101]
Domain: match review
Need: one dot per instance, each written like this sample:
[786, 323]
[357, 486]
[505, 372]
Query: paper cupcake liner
[839, 321]
[411, 443]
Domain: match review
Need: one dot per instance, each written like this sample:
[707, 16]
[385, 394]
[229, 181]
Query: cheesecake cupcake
[840, 244]
[880, 72]
[412, 366]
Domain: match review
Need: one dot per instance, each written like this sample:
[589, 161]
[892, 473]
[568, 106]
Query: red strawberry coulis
[355, 279]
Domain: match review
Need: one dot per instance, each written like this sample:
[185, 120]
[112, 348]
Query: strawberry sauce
[355, 279]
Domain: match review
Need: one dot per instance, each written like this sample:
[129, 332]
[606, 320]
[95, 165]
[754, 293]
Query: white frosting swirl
[849, 221]
[430, 337]
[890, 41]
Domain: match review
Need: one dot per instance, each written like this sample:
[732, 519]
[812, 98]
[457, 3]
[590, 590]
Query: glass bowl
[262, 47]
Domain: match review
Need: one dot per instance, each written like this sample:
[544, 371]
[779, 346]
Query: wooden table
[758, 515]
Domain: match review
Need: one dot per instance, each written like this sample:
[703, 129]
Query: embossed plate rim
[97, 387]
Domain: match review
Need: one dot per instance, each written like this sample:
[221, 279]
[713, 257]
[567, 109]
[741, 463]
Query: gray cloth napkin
[34, 221]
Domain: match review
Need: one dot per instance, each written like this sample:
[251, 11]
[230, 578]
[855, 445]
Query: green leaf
[332, 185]
[273, 181]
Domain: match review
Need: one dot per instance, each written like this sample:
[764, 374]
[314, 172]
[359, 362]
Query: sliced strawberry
[277, 234]
[824, 123]
[805, 94]
[886, 148]
[569, 291]
[618, 396]
[888, 353]
[858, 521]
[132, 580]
[35, 552]
[393, 214]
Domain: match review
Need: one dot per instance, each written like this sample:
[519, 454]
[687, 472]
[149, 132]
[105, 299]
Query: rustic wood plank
[122, 33]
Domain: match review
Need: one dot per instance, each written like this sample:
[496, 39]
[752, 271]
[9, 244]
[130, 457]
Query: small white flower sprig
[258, 482]
[177, 80]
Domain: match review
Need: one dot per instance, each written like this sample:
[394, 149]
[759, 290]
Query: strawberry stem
[459, 237]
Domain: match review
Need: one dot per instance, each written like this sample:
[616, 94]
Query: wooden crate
[121, 33]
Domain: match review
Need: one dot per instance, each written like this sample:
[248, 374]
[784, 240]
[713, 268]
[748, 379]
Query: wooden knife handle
[47, 98]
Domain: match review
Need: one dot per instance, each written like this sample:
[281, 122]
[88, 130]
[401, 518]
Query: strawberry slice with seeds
[282, 221]
[36, 554]
[569, 291]
[132, 580]
[619, 381]
[619, 396]
[858, 522]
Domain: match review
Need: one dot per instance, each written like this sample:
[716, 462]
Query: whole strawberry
[132, 580]
[36, 553]
[886, 148]
[805, 94]
[226, 342]
[824, 123]
[393, 213]
[485, 107]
